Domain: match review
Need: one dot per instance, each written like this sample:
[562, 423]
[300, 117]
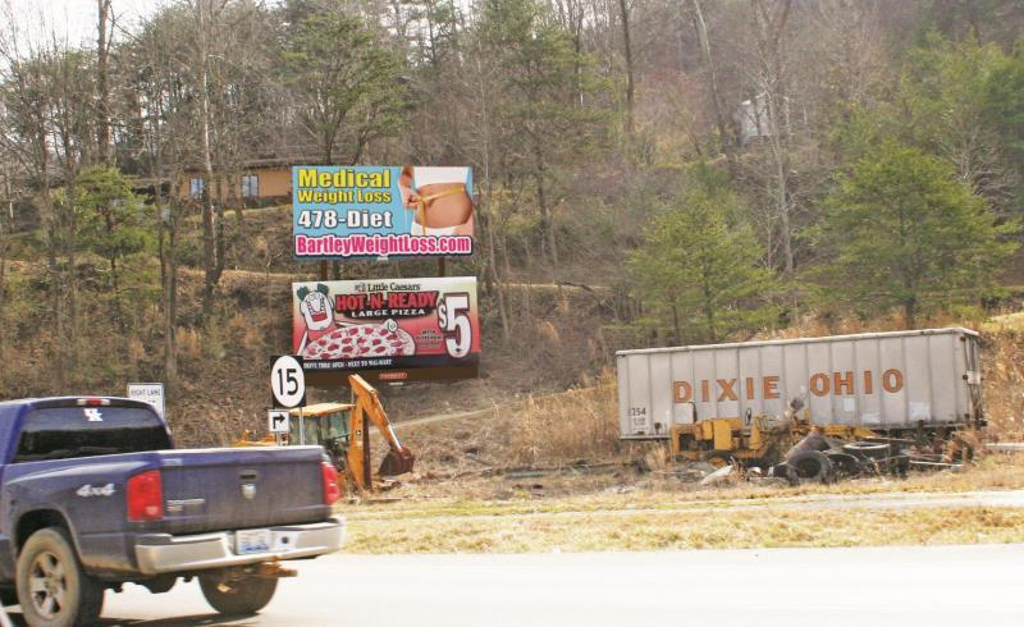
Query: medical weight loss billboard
[391, 329]
[380, 211]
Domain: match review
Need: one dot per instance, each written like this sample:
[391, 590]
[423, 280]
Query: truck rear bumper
[163, 553]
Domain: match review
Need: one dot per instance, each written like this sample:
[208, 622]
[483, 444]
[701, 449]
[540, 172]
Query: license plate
[252, 541]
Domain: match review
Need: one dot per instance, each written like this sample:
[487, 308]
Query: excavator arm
[367, 406]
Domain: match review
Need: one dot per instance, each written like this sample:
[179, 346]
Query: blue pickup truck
[94, 495]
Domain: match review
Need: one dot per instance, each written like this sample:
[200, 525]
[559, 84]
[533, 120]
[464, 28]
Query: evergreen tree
[701, 267]
[347, 85]
[955, 101]
[541, 81]
[1004, 109]
[908, 233]
[113, 222]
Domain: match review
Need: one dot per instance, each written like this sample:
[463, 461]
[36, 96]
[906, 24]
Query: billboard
[386, 329]
[381, 211]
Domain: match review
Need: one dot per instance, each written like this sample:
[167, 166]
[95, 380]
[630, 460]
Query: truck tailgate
[218, 489]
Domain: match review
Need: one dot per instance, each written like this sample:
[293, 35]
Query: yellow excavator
[343, 430]
[751, 439]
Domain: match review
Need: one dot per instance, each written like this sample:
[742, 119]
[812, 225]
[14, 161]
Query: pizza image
[362, 340]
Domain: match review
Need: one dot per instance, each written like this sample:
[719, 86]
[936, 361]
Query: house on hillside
[753, 119]
[252, 184]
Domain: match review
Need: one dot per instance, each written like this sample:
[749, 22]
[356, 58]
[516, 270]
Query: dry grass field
[549, 473]
[637, 531]
[621, 512]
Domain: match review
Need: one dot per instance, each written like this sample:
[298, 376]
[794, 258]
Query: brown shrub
[562, 428]
[1003, 378]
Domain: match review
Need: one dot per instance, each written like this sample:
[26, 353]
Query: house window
[250, 185]
[195, 187]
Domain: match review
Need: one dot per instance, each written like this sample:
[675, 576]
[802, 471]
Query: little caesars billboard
[381, 211]
[391, 330]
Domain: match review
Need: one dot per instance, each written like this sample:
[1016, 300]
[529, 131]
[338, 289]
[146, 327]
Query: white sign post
[287, 382]
[152, 393]
[277, 421]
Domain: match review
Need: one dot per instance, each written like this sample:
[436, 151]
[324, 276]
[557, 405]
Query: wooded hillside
[646, 172]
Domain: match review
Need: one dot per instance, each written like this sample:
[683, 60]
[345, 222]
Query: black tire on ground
[901, 464]
[844, 463]
[869, 450]
[811, 466]
[53, 588]
[238, 597]
[719, 458]
[785, 471]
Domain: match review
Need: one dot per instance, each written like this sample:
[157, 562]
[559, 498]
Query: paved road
[977, 585]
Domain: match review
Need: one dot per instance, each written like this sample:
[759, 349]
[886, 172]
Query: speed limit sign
[287, 382]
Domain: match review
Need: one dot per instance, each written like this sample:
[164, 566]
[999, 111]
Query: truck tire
[785, 471]
[869, 450]
[811, 466]
[53, 588]
[238, 597]
[844, 463]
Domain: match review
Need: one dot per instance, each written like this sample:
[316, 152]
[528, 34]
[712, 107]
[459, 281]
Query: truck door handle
[248, 475]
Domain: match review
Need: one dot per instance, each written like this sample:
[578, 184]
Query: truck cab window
[66, 432]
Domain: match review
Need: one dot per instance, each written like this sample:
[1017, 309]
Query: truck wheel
[53, 589]
[241, 596]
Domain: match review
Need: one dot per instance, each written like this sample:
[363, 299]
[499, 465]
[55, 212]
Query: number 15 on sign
[287, 382]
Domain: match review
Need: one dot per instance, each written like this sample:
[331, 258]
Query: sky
[74, 18]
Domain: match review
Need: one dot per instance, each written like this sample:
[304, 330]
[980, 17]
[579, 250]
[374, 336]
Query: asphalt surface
[972, 585]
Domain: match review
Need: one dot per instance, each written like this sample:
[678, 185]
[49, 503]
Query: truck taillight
[145, 497]
[332, 491]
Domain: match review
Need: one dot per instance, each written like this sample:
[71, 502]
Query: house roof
[253, 164]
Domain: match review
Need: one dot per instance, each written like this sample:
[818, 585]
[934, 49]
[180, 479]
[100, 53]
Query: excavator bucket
[397, 463]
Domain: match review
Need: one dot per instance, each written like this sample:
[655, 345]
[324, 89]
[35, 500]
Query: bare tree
[572, 14]
[770, 18]
[6, 218]
[104, 37]
[725, 135]
[159, 120]
[205, 15]
[625, 7]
